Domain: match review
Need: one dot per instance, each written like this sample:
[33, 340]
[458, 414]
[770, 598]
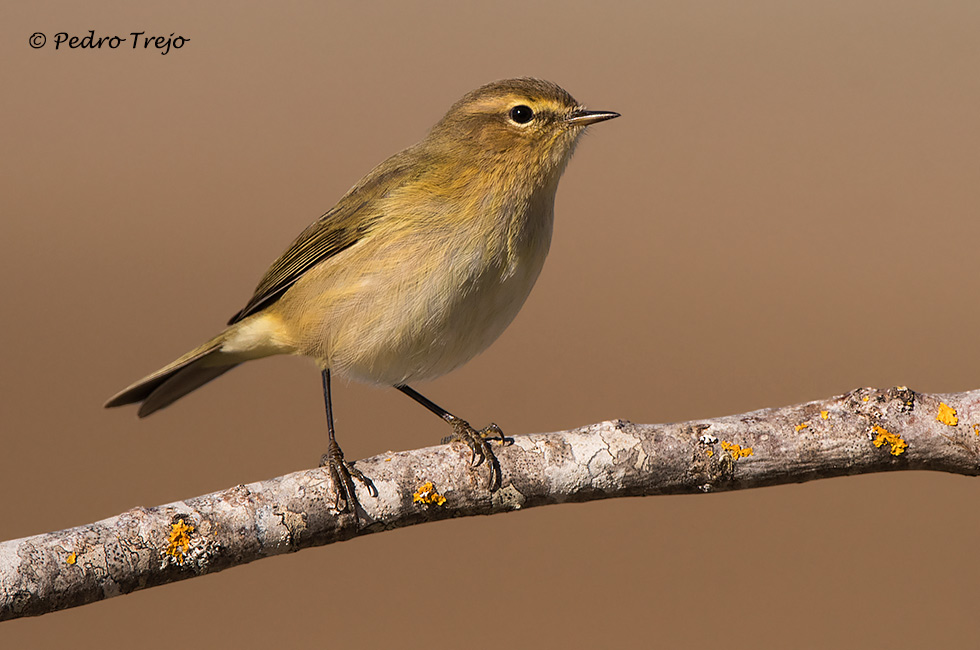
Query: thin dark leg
[427, 403]
[328, 404]
[341, 471]
[476, 440]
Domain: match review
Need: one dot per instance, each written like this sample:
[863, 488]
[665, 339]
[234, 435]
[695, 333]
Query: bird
[417, 268]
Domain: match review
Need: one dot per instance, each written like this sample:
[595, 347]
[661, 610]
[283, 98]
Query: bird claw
[480, 450]
[343, 474]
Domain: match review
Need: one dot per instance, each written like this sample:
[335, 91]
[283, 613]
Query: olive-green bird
[416, 270]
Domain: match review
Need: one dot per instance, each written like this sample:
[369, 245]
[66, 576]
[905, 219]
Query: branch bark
[866, 430]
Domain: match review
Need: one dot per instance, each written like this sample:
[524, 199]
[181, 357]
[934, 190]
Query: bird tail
[170, 383]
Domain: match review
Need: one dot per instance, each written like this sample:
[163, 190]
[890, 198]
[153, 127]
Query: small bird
[415, 271]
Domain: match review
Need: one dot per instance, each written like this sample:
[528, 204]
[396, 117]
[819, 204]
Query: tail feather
[170, 383]
[179, 384]
[255, 337]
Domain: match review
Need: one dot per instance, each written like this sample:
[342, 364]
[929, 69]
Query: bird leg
[476, 440]
[341, 471]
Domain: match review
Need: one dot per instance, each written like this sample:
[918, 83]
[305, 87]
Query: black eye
[521, 114]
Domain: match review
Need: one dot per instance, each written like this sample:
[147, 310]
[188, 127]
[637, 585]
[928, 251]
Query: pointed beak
[582, 117]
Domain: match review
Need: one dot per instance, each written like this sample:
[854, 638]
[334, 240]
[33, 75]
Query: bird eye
[521, 114]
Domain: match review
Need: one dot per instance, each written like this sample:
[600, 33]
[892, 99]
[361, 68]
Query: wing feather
[323, 239]
[347, 223]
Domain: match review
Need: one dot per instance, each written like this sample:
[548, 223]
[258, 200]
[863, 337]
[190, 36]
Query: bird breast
[403, 307]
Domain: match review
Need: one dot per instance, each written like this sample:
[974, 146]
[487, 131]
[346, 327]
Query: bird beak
[582, 117]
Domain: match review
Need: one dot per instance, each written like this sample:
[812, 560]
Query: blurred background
[786, 210]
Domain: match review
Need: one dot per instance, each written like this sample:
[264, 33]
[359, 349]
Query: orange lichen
[947, 415]
[736, 451]
[976, 429]
[898, 446]
[825, 415]
[72, 558]
[427, 495]
[801, 426]
[180, 540]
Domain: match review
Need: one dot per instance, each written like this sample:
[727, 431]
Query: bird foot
[480, 450]
[343, 474]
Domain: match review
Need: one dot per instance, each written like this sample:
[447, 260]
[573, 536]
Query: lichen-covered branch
[866, 430]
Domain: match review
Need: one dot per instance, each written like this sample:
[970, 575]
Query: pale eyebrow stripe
[493, 104]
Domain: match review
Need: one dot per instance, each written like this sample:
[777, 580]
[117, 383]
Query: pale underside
[394, 310]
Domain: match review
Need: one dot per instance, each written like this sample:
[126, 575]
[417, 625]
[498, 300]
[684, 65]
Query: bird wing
[324, 238]
[346, 224]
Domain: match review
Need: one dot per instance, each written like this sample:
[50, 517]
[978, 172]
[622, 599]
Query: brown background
[786, 210]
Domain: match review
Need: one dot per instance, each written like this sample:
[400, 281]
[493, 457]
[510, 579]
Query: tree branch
[864, 431]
